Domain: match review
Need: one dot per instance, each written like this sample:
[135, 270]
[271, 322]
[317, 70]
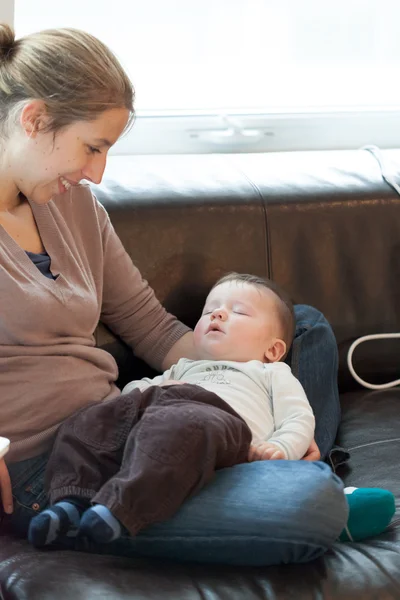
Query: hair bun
[7, 41]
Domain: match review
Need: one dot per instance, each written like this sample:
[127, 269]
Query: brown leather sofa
[327, 227]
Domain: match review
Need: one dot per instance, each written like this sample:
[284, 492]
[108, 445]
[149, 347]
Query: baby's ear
[276, 351]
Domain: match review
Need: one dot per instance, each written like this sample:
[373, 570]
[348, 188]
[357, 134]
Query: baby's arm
[146, 382]
[293, 418]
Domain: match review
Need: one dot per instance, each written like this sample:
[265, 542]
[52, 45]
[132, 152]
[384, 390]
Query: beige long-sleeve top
[49, 365]
[267, 396]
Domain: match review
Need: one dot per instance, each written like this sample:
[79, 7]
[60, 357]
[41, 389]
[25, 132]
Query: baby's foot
[55, 522]
[99, 524]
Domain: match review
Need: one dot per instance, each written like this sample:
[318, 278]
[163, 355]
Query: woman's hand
[5, 488]
[313, 452]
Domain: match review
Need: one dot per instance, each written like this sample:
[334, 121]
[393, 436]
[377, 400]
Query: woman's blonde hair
[72, 72]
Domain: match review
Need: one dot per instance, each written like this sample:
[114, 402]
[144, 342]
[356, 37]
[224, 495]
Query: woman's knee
[292, 512]
[308, 512]
[284, 511]
[329, 504]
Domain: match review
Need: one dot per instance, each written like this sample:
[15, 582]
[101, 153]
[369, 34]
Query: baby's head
[245, 318]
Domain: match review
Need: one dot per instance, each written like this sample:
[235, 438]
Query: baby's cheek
[198, 332]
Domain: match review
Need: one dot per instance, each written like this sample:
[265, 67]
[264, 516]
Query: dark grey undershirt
[42, 261]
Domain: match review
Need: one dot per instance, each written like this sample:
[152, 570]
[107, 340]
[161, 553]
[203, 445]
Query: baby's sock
[55, 522]
[99, 524]
[370, 512]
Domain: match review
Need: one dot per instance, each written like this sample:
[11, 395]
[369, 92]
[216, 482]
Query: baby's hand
[265, 451]
[170, 382]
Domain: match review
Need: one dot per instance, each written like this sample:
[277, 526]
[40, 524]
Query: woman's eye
[93, 150]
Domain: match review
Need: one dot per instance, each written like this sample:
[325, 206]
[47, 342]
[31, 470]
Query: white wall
[7, 11]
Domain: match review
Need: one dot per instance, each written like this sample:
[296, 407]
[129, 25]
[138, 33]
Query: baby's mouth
[214, 327]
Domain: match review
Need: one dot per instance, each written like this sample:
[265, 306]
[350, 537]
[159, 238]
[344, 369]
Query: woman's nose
[94, 169]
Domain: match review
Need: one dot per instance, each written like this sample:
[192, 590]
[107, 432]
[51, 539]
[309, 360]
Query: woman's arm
[132, 311]
[313, 452]
[183, 348]
[5, 488]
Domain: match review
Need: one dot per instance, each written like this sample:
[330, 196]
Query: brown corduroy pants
[143, 453]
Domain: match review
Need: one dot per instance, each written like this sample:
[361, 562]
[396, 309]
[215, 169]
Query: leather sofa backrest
[325, 225]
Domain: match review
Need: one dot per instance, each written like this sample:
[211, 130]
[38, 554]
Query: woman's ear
[276, 351]
[33, 117]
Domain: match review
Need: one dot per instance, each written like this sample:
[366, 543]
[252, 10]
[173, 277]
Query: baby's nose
[219, 314]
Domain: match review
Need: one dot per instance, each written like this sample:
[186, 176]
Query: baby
[122, 465]
[246, 329]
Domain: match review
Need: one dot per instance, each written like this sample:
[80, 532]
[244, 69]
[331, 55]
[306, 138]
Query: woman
[64, 101]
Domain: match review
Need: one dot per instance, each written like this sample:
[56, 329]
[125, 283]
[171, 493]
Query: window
[245, 75]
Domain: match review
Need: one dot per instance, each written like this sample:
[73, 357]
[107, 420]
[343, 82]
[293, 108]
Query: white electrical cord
[367, 338]
[377, 154]
[386, 176]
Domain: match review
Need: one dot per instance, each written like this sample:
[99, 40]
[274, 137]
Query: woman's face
[53, 162]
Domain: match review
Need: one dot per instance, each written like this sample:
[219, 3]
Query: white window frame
[234, 132]
[205, 132]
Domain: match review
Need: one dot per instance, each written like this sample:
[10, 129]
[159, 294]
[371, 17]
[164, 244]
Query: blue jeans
[261, 513]
[314, 361]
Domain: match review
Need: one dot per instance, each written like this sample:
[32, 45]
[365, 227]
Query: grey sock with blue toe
[61, 519]
[99, 524]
